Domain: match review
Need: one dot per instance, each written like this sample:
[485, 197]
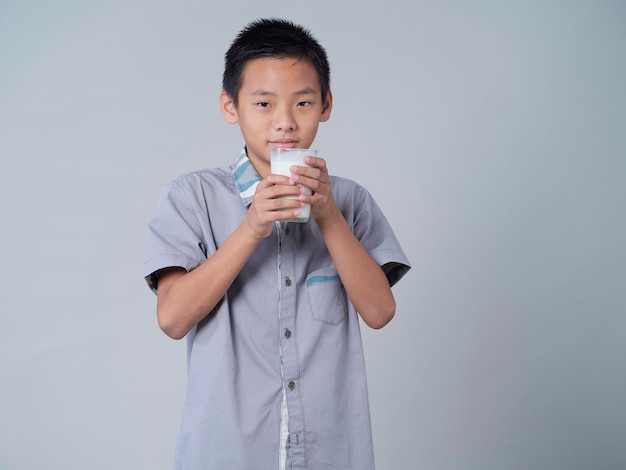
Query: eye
[263, 104]
[304, 103]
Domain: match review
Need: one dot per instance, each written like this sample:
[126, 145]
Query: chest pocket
[327, 296]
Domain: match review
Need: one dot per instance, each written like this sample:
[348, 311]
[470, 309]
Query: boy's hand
[316, 178]
[268, 204]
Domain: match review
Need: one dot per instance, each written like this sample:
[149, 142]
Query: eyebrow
[304, 91]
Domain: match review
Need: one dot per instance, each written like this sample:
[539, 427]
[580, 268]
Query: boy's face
[280, 105]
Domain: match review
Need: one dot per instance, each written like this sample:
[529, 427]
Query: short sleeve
[374, 232]
[174, 235]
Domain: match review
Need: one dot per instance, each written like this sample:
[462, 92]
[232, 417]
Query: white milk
[284, 158]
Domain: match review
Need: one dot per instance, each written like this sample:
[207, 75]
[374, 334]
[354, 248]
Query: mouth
[283, 143]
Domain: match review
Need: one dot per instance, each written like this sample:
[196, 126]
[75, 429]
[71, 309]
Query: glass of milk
[281, 159]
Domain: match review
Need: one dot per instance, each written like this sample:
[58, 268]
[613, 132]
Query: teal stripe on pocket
[316, 279]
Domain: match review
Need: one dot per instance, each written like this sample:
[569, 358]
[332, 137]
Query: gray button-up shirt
[284, 330]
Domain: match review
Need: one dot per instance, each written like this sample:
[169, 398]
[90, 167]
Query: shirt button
[288, 282]
[287, 333]
[291, 385]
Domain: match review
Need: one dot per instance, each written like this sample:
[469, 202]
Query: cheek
[249, 124]
[311, 125]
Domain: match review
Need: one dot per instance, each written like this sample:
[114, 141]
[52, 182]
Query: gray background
[491, 133]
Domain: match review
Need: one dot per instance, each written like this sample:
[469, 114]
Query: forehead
[279, 75]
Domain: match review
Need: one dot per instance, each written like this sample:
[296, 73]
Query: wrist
[249, 234]
[332, 221]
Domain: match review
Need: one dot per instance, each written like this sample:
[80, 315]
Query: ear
[327, 107]
[227, 106]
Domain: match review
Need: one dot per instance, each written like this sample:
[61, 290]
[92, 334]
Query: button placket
[288, 282]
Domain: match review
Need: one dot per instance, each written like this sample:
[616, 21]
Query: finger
[274, 186]
[315, 181]
[275, 193]
[273, 179]
[316, 162]
[283, 209]
[269, 210]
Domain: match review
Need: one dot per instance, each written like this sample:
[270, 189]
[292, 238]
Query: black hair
[274, 38]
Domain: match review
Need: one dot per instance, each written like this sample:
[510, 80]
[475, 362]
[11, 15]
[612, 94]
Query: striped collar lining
[246, 178]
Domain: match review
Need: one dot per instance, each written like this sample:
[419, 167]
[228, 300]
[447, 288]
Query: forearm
[364, 280]
[185, 299]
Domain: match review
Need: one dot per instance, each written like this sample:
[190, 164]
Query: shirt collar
[246, 177]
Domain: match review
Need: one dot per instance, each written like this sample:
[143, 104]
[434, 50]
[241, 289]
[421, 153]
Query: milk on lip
[283, 158]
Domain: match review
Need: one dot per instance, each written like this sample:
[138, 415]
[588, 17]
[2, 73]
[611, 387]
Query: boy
[276, 376]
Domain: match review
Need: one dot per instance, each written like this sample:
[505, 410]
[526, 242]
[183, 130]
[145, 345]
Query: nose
[284, 120]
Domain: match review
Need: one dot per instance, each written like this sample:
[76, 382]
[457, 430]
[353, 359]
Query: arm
[185, 298]
[364, 280]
